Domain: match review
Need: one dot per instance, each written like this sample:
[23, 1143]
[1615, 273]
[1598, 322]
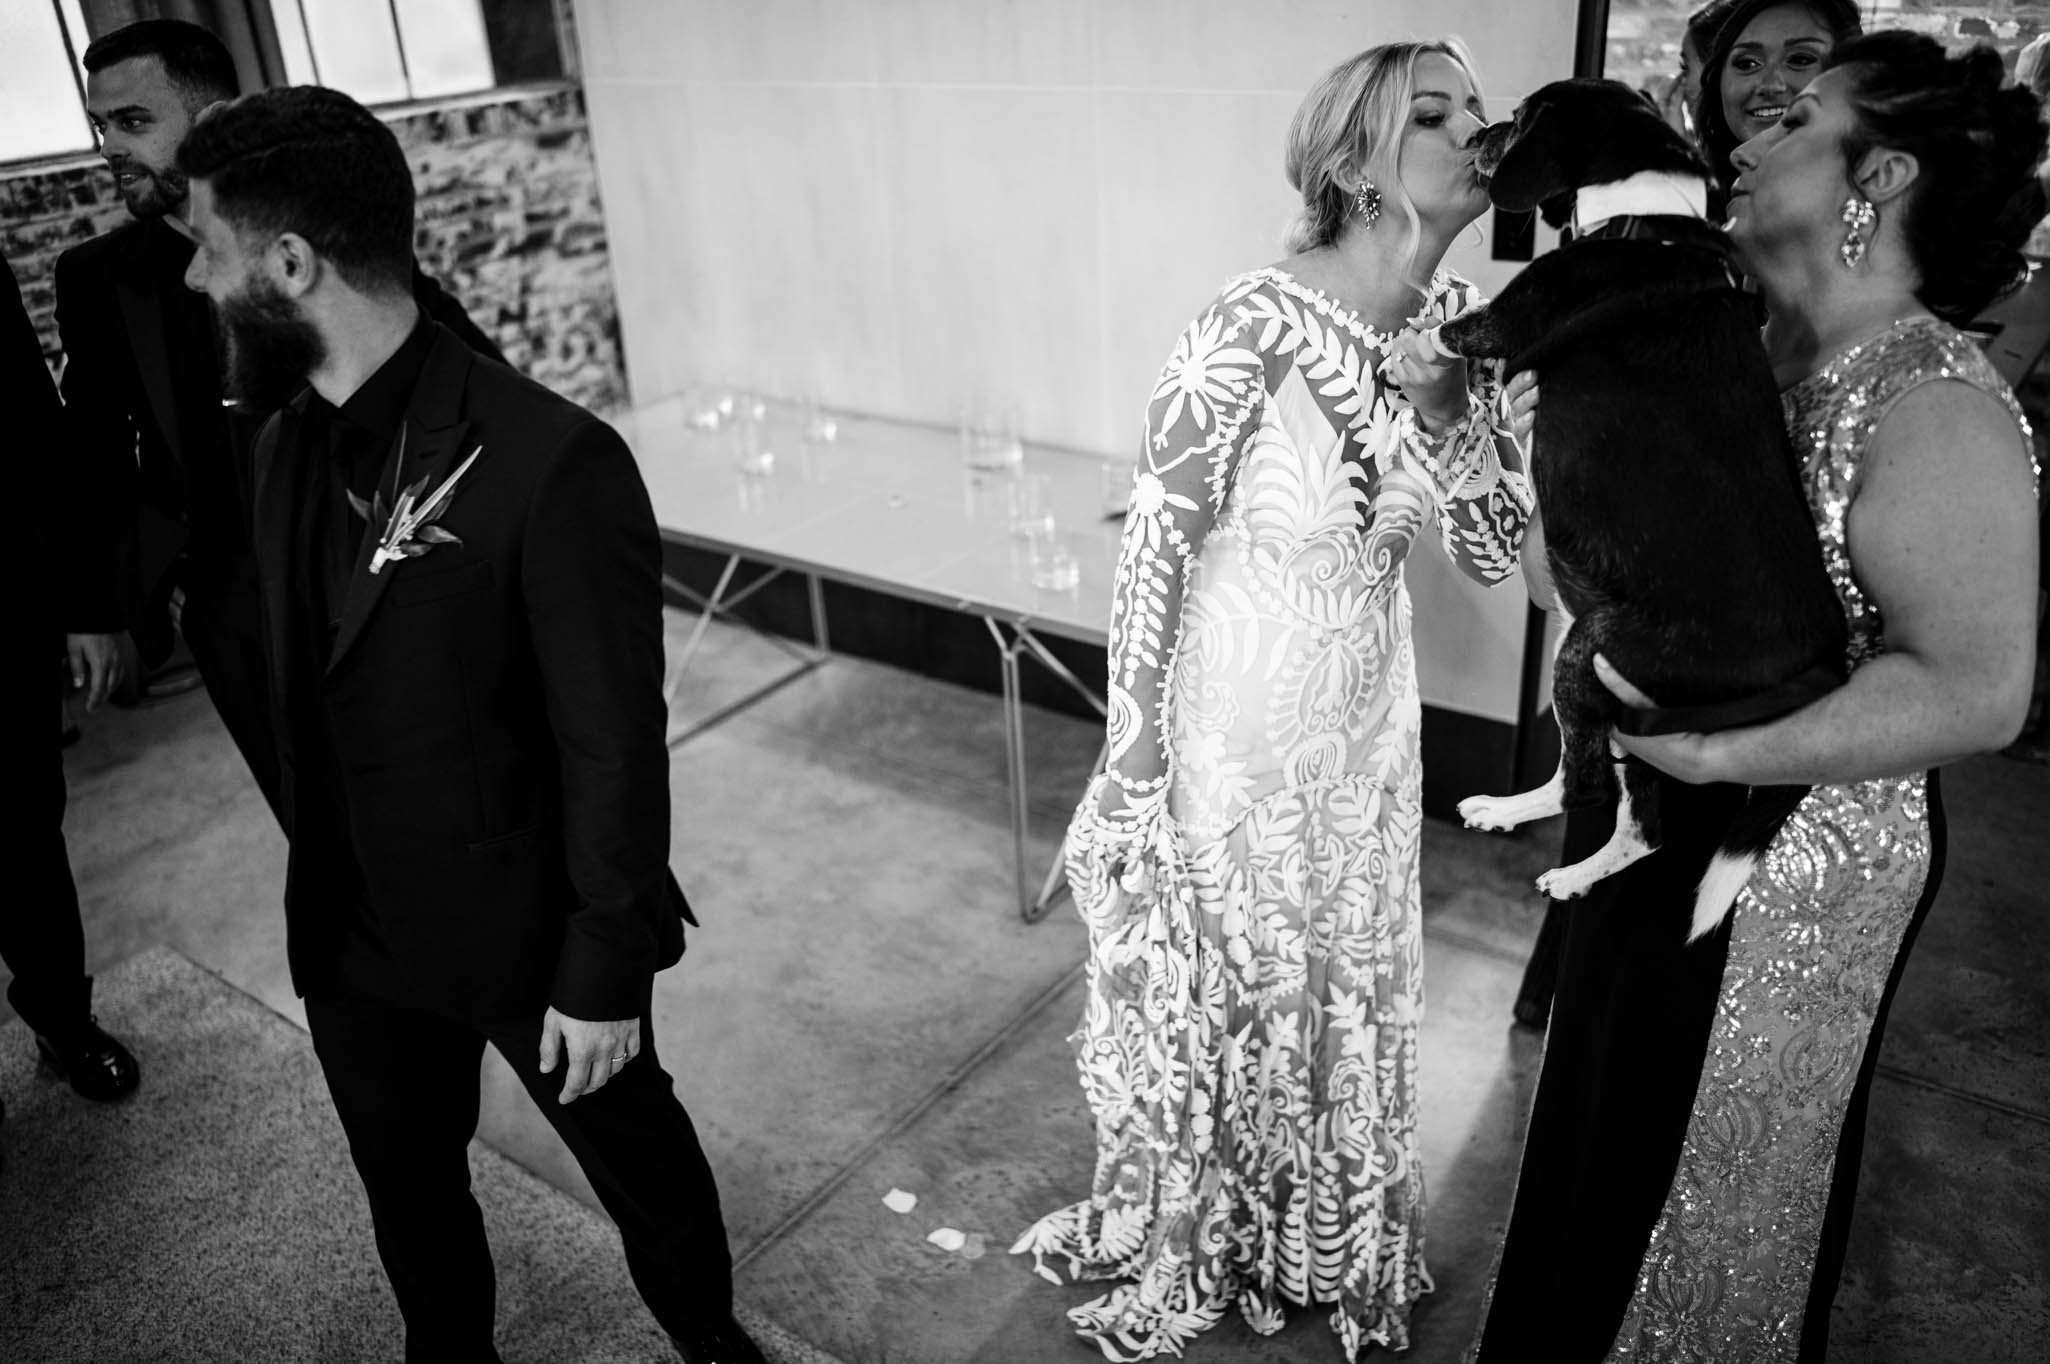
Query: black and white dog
[1675, 525]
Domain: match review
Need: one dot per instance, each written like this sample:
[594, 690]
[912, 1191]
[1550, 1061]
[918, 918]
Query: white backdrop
[919, 207]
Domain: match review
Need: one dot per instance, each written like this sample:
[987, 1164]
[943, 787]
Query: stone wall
[509, 221]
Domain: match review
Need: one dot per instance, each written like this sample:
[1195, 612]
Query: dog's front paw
[1492, 813]
[1566, 883]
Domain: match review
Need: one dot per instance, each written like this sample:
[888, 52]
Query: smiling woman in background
[1764, 54]
[1247, 864]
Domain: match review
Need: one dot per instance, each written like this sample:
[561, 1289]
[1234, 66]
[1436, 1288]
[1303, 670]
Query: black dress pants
[42, 939]
[405, 1083]
[223, 627]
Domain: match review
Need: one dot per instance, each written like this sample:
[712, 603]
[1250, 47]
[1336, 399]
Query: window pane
[446, 53]
[291, 31]
[525, 42]
[39, 110]
[356, 48]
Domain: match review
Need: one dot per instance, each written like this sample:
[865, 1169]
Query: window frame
[268, 52]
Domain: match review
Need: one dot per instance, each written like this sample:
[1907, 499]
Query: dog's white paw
[1493, 813]
[1566, 883]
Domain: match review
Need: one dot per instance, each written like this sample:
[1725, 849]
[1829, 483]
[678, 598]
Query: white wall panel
[909, 207]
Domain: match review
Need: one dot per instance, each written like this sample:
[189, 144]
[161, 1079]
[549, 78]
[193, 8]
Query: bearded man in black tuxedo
[142, 389]
[461, 586]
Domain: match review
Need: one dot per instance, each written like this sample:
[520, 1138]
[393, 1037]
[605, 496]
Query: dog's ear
[1531, 173]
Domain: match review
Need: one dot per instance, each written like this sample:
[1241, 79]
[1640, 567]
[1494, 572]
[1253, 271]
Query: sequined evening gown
[1249, 1040]
[1687, 1180]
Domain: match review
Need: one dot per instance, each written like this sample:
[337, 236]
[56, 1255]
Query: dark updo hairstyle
[1975, 197]
[1711, 129]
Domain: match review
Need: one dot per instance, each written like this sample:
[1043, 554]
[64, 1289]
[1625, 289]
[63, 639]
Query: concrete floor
[863, 1011]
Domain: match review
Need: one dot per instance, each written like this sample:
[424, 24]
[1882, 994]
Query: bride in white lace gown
[1247, 865]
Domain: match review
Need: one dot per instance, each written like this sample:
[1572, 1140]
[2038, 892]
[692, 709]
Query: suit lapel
[142, 308]
[279, 471]
[430, 443]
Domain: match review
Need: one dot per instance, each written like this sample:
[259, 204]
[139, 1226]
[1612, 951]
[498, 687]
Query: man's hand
[596, 1051]
[178, 609]
[95, 665]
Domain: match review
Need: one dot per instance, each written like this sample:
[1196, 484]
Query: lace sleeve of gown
[1482, 504]
[1203, 410]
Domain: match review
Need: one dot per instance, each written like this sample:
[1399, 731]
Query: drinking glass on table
[990, 441]
[755, 455]
[1053, 564]
[1026, 502]
[1117, 489]
[821, 427]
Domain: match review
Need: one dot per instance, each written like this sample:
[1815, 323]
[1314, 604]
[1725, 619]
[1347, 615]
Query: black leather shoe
[724, 1344]
[96, 1065]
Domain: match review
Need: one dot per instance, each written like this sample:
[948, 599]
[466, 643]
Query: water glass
[1117, 490]
[821, 427]
[1027, 506]
[755, 455]
[991, 442]
[1054, 566]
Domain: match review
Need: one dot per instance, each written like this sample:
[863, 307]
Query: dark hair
[309, 160]
[1717, 138]
[1706, 23]
[196, 61]
[1976, 142]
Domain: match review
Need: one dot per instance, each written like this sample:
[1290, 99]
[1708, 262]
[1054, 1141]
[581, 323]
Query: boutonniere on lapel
[410, 529]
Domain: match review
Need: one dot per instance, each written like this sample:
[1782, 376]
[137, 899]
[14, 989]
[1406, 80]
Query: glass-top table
[892, 507]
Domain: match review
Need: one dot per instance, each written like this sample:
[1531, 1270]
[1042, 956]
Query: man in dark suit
[474, 772]
[42, 939]
[142, 385]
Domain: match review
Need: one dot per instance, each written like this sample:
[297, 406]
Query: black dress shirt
[345, 450]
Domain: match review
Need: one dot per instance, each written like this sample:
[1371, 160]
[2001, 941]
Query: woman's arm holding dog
[1520, 396]
[1942, 538]
[1455, 434]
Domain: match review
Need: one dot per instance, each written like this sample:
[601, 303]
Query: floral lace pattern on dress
[1814, 937]
[1247, 864]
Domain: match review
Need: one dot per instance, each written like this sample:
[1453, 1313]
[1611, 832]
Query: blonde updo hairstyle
[1350, 125]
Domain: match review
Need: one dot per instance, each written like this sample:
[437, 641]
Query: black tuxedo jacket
[122, 310]
[81, 599]
[494, 709]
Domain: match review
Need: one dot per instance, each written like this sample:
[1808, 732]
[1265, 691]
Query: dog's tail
[1765, 810]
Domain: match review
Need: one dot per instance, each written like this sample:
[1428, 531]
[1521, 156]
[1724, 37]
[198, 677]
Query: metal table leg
[1020, 643]
[722, 604]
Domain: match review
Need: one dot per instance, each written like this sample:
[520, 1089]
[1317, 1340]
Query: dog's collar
[1643, 195]
[1673, 230]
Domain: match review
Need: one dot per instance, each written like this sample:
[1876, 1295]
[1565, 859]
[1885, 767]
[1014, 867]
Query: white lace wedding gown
[1249, 1043]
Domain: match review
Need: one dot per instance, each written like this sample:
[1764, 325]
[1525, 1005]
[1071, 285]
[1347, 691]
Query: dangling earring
[1859, 215]
[1366, 202]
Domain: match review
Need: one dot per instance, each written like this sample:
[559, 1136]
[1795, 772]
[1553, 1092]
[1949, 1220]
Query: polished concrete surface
[862, 1012]
[229, 1179]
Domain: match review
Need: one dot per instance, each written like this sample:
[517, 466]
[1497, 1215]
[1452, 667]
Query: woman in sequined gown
[1723, 1224]
[1247, 864]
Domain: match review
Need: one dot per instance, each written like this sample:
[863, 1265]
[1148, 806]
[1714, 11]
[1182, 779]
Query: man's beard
[267, 348]
[153, 193]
